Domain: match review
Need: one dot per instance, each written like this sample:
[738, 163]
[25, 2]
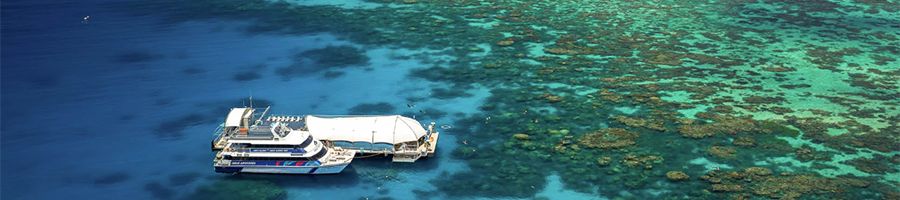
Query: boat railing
[339, 116]
[219, 132]
[284, 118]
[407, 148]
[269, 150]
[219, 129]
[252, 137]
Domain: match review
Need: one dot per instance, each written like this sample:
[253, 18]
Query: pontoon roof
[234, 117]
[390, 129]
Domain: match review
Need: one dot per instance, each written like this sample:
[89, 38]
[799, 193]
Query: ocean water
[585, 99]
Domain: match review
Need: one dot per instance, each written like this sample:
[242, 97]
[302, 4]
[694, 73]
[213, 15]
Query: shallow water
[537, 99]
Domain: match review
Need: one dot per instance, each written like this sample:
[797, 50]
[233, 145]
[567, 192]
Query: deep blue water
[123, 105]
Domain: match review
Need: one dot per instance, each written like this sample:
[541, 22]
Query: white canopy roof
[390, 129]
[234, 117]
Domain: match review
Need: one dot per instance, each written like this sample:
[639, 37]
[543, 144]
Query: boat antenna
[251, 98]
[251, 104]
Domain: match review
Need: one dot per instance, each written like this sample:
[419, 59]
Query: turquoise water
[536, 99]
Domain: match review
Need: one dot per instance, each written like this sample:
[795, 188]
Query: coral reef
[761, 181]
[663, 58]
[641, 123]
[726, 188]
[878, 164]
[722, 151]
[464, 152]
[732, 126]
[505, 178]
[604, 161]
[610, 138]
[442, 93]
[318, 60]
[521, 136]
[380, 108]
[677, 176]
[379, 176]
[239, 189]
[645, 161]
[806, 153]
[744, 141]
[552, 98]
[335, 56]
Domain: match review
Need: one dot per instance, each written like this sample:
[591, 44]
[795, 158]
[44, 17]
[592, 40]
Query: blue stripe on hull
[228, 169]
[334, 169]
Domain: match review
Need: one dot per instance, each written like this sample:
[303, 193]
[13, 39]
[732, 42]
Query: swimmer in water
[85, 19]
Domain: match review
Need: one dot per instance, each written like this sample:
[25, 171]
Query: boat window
[270, 158]
[319, 155]
[239, 145]
[275, 146]
[281, 130]
[278, 130]
[306, 143]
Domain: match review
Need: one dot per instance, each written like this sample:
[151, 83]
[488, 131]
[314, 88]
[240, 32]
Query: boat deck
[256, 133]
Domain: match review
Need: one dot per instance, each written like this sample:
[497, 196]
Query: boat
[278, 149]
[402, 137]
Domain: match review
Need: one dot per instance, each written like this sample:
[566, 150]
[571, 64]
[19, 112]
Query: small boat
[277, 149]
